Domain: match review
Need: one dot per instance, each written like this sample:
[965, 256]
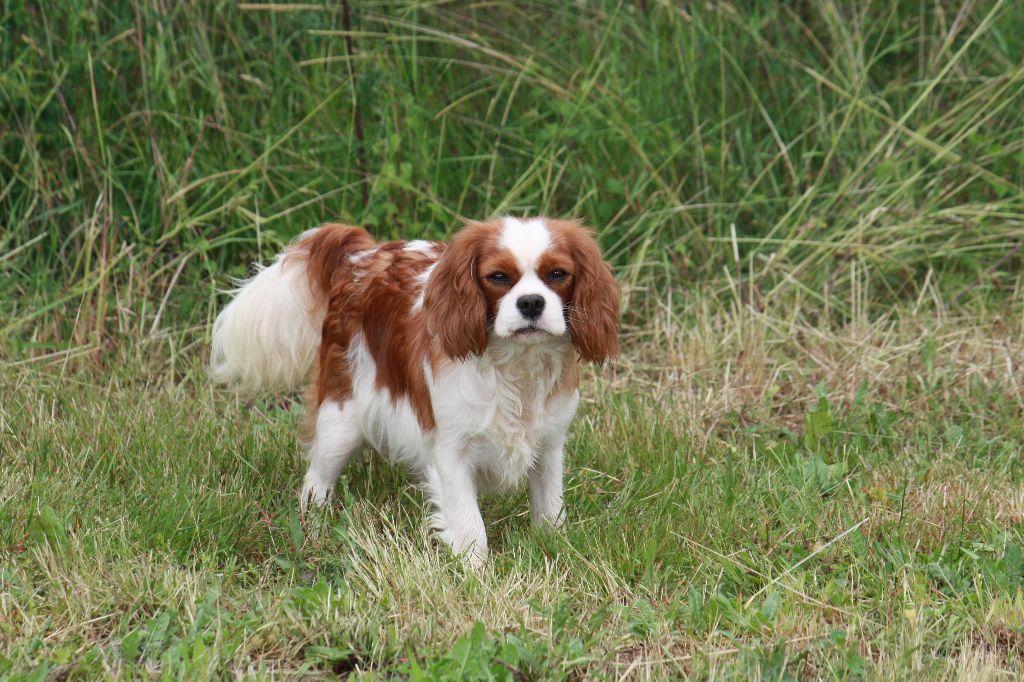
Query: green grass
[806, 463]
[151, 525]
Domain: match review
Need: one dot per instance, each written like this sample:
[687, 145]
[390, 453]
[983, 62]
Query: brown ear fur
[594, 309]
[454, 304]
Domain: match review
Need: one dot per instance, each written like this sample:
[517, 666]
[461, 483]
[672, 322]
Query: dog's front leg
[457, 519]
[545, 484]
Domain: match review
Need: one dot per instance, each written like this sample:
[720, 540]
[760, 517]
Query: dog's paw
[472, 554]
[314, 493]
[473, 559]
[553, 521]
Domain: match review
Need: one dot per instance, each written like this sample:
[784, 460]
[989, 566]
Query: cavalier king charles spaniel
[457, 360]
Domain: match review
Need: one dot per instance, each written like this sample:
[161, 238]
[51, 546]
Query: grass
[717, 528]
[806, 463]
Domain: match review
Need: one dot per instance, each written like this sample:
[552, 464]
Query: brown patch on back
[372, 293]
[328, 252]
[395, 335]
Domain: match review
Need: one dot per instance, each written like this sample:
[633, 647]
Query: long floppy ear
[454, 304]
[594, 308]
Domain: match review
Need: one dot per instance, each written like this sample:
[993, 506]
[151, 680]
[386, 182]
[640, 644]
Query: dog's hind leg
[337, 436]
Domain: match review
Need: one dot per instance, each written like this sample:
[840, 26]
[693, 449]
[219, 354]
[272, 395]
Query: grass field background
[806, 463]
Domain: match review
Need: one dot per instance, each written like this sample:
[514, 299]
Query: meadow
[805, 464]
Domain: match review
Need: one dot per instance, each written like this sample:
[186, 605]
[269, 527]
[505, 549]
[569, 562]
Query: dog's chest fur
[512, 405]
[498, 410]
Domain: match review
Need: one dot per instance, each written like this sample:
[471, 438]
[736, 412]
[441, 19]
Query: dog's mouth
[532, 330]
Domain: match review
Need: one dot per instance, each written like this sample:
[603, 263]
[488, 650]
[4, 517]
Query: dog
[457, 360]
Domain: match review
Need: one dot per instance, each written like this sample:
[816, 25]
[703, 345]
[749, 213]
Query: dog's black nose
[531, 306]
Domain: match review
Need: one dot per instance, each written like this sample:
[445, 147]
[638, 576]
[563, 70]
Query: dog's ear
[454, 303]
[594, 305]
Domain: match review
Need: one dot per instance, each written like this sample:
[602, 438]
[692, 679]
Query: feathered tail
[268, 335]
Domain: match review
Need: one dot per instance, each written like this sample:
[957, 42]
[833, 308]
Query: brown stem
[357, 113]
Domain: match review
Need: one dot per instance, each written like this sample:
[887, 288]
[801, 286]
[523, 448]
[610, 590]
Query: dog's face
[527, 280]
[530, 281]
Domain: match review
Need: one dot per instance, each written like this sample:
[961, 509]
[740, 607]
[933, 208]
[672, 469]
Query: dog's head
[529, 280]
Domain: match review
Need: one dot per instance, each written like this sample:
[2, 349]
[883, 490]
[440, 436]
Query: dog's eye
[499, 278]
[557, 275]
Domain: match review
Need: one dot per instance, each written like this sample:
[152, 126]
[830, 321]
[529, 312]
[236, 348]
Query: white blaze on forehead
[527, 240]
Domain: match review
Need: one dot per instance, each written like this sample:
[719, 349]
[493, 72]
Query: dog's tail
[268, 335]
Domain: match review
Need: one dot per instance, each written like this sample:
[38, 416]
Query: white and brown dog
[457, 360]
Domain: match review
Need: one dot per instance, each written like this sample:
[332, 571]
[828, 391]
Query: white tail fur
[268, 335]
